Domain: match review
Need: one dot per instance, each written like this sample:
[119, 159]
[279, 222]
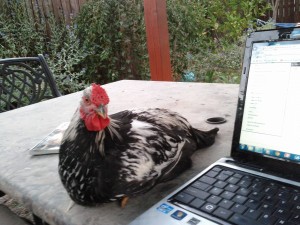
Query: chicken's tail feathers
[205, 138]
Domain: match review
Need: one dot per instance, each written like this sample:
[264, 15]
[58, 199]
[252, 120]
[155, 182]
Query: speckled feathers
[138, 149]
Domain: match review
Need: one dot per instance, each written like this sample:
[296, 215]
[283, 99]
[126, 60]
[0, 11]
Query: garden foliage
[113, 31]
[107, 40]
[207, 36]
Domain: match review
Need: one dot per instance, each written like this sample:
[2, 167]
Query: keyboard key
[233, 180]
[200, 185]
[284, 222]
[220, 184]
[256, 195]
[217, 169]
[273, 184]
[227, 172]
[226, 204]
[208, 207]
[258, 180]
[222, 176]
[197, 193]
[295, 218]
[296, 208]
[283, 195]
[222, 213]
[216, 191]
[285, 204]
[270, 200]
[284, 188]
[243, 191]
[214, 199]
[253, 204]
[237, 175]
[282, 213]
[267, 219]
[227, 195]
[252, 213]
[267, 208]
[257, 186]
[244, 183]
[270, 191]
[242, 220]
[207, 180]
[248, 177]
[212, 173]
[184, 197]
[231, 187]
[197, 203]
[238, 208]
[295, 198]
[239, 199]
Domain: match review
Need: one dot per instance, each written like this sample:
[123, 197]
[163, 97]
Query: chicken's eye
[86, 100]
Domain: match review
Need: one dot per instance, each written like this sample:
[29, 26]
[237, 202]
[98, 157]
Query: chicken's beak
[101, 111]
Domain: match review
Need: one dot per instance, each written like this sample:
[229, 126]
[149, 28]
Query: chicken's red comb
[98, 95]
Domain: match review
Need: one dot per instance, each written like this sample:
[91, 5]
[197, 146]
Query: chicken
[105, 158]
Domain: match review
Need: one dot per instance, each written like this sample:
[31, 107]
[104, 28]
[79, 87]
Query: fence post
[158, 39]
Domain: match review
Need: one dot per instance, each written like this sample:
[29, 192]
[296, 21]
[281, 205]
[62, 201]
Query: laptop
[259, 184]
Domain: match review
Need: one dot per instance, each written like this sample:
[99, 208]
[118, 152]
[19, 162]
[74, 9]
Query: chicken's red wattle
[93, 121]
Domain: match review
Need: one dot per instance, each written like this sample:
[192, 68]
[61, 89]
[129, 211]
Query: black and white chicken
[103, 158]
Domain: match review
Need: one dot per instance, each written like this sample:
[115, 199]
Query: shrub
[115, 36]
[21, 36]
[202, 32]
[65, 59]
[222, 66]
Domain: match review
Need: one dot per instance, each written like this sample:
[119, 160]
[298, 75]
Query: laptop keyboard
[241, 198]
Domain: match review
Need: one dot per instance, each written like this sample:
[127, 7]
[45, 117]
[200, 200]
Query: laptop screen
[271, 117]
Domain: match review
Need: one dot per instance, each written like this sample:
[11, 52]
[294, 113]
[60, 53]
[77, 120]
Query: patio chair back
[24, 81]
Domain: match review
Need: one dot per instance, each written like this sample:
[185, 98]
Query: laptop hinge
[279, 173]
[245, 165]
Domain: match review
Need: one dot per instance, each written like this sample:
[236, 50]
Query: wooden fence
[63, 10]
[66, 10]
[288, 11]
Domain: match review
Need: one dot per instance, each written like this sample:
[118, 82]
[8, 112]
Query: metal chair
[24, 81]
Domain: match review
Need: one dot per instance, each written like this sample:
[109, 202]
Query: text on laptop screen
[271, 121]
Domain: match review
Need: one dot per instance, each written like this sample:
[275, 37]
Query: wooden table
[34, 180]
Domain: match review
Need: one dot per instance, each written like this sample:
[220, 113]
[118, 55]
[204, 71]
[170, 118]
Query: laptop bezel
[286, 169]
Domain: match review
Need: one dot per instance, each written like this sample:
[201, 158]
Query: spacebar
[243, 220]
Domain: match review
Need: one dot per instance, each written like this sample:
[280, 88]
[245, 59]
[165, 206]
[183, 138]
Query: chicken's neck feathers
[100, 136]
[73, 132]
[113, 128]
